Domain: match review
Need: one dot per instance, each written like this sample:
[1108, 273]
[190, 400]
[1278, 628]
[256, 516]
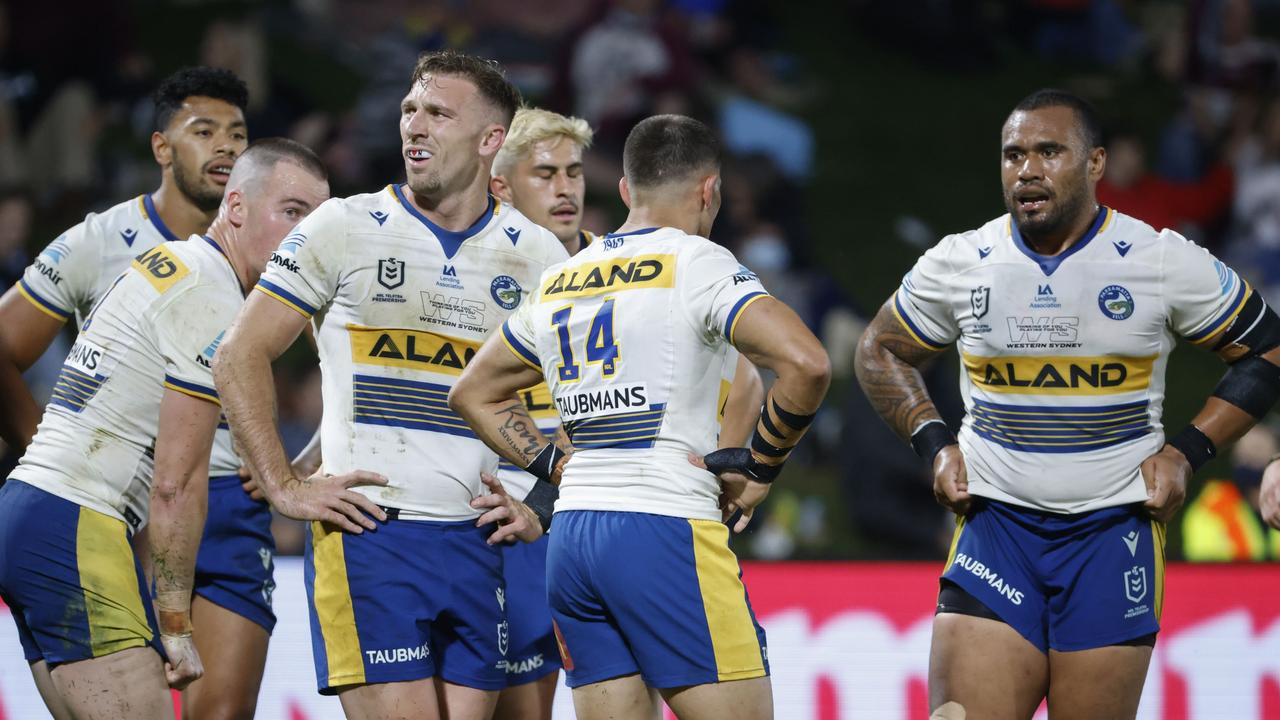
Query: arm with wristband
[772, 336]
[486, 396]
[887, 363]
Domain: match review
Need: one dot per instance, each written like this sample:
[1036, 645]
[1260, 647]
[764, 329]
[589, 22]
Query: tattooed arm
[486, 396]
[887, 367]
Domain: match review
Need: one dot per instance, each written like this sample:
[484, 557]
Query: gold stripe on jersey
[335, 612]
[1059, 375]
[724, 600]
[109, 581]
[538, 400]
[416, 349]
[160, 267]
[611, 275]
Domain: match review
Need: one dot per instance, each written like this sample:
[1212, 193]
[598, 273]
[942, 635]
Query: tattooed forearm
[518, 430]
[886, 367]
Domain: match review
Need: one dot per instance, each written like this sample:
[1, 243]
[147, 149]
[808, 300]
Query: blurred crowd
[74, 129]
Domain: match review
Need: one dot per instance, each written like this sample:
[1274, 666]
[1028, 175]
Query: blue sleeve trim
[915, 329]
[285, 295]
[524, 352]
[1232, 309]
[737, 308]
[191, 388]
[32, 294]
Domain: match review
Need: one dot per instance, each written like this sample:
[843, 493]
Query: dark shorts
[531, 653]
[1064, 582]
[234, 567]
[71, 579]
[411, 600]
[662, 596]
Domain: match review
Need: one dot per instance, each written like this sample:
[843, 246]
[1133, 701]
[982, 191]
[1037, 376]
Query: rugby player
[632, 336]
[403, 285]
[127, 435]
[1064, 313]
[539, 171]
[199, 132]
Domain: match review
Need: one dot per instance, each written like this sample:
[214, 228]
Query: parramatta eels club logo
[505, 291]
[390, 273]
[1115, 302]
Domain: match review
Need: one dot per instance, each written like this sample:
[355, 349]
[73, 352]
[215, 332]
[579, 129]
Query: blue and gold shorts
[411, 600]
[532, 653]
[662, 596]
[234, 568]
[1064, 582]
[71, 578]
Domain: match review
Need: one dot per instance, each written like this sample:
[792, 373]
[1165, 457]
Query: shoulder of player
[514, 230]
[963, 251]
[183, 267]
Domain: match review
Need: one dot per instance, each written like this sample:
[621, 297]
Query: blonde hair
[531, 126]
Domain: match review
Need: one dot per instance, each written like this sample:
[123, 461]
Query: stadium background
[859, 133]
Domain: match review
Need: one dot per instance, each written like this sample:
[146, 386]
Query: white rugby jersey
[156, 327]
[77, 268]
[632, 336]
[1063, 358]
[400, 306]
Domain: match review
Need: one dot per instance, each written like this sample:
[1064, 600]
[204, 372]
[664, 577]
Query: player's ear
[710, 191]
[237, 213]
[491, 140]
[1097, 163]
[499, 187]
[624, 191]
[161, 149]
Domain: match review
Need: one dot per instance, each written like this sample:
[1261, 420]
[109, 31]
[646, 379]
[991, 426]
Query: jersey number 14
[600, 346]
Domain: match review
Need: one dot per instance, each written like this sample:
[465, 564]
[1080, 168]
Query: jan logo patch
[390, 273]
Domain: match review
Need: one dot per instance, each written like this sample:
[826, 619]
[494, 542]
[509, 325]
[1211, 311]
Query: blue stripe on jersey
[1232, 309]
[43, 303]
[282, 294]
[915, 329]
[1059, 429]
[74, 388]
[521, 349]
[406, 404]
[633, 430]
[737, 308]
[150, 207]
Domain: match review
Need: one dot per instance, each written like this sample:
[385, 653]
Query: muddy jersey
[75, 270]
[400, 305]
[157, 326]
[1063, 357]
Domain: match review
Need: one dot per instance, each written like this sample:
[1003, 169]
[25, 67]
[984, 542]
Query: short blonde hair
[531, 126]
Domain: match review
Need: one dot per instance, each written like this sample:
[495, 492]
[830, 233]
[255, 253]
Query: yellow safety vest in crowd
[1221, 526]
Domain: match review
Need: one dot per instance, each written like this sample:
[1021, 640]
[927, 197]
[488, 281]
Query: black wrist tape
[930, 438]
[544, 465]
[741, 460]
[1195, 445]
[542, 501]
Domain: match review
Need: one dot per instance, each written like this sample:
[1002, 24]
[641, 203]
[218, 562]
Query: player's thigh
[530, 701]
[1104, 682]
[406, 700]
[44, 685]
[459, 702]
[1013, 674]
[233, 650]
[125, 684]
[730, 700]
[620, 698]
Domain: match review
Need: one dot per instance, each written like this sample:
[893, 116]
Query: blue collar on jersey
[1049, 263]
[149, 207]
[642, 231]
[450, 240]
[226, 257]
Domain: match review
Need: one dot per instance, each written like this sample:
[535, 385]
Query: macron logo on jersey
[128, 234]
[1122, 247]
[513, 234]
[378, 215]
